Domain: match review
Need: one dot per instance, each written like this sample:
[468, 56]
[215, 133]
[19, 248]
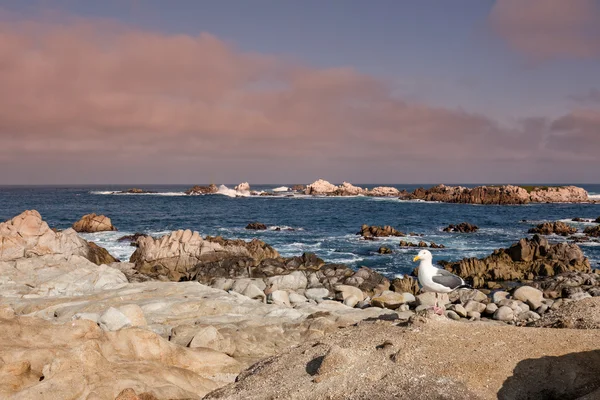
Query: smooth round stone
[452, 315]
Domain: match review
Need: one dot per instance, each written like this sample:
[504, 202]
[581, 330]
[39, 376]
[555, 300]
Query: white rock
[113, 320]
[504, 313]
[294, 281]
[279, 297]
[491, 308]
[210, 338]
[530, 295]
[254, 293]
[429, 299]
[134, 313]
[89, 316]
[320, 187]
[243, 187]
[316, 294]
[350, 301]
[344, 291]
[297, 298]
[499, 295]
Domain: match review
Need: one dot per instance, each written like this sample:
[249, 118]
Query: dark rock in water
[593, 231]
[577, 219]
[99, 255]
[406, 284]
[597, 220]
[131, 238]
[377, 231]
[196, 190]
[463, 227]
[256, 226]
[434, 245]
[298, 188]
[415, 234]
[524, 260]
[422, 244]
[136, 191]
[557, 228]
[384, 250]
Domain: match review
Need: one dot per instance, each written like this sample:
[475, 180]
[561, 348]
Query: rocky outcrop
[367, 231]
[348, 189]
[136, 191]
[298, 188]
[556, 228]
[28, 236]
[198, 190]
[506, 194]
[132, 239]
[178, 255]
[257, 226]
[592, 231]
[522, 261]
[463, 227]
[383, 191]
[243, 187]
[91, 223]
[320, 187]
[406, 284]
[433, 245]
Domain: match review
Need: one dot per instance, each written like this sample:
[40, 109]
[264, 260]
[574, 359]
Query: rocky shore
[188, 314]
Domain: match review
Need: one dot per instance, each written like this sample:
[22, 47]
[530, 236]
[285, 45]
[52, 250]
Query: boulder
[99, 255]
[392, 300]
[556, 228]
[383, 191]
[592, 231]
[344, 291]
[256, 226]
[524, 260]
[320, 187]
[378, 231]
[198, 190]
[136, 191]
[93, 223]
[463, 227]
[316, 294]
[429, 299]
[279, 297]
[348, 189]
[530, 295]
[384, 250]
[210, 338]
[113, 320]
[294, 281]
[504, 313]
[406, 284]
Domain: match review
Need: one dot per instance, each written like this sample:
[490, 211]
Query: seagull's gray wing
[447, 279]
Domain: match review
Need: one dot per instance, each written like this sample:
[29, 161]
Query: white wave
[225, 191]
[585, 221]
[594, 196]
[281, 189]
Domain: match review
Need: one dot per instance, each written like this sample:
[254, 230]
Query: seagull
[435, 279]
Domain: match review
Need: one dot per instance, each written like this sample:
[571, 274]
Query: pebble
[491, 308]
[452, 315]
[504, 313]
[499, 295]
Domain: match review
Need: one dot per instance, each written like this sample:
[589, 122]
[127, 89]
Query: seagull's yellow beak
[416, 258]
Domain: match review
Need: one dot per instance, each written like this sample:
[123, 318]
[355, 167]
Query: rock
[368, 280]
[406, 284]
[134, 314]
[384, 250]
[351, 301]
[579, 296]
[436, 246]
[499, 296]
[557, 228]
[185, 255]
[524, 260]
[459, 309]
[475, 306]
[198, 190]
[99, 255]
[504, 313]
[298, 188]
[294, 281]
[296, 298]
[113, 320]
[530, 295]
[344, 291]
[491, 308]
[93, 223]
[378, 231]
[584, 314]
[131, 238]
[254, 293]
[279, 297]
[474, 315]
[429, 299]
[383, 191]
[256, 226]
[452, 315]
[320, 187]
[463, 295]
[316, 294]
[210, 338]
[392, 300]
[506, 194]
[130, 394]
[528, 316]
[334, 362]
[592, 231]
[89, 316]
[463, 227]
[347, 189]
[28, 236]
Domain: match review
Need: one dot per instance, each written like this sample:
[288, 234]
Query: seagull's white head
[424, 255]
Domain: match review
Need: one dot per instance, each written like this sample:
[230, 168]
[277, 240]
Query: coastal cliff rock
[91, 223]
[505, 194]
[463, 227]
[557, 228]
[320, 187]
[348, 189]
[28, 236]
[383, 191]
[522, 261]
[197, 190]
[136, 191]
[367, 231]
[176, 255]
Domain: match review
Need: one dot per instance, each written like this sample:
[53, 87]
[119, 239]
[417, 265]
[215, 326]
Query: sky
[282, 91]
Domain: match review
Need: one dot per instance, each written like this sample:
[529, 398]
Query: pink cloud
[549, 29]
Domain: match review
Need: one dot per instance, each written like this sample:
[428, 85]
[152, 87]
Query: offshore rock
[93, 223]
[557, 228]
[197, 190]
[367, 231]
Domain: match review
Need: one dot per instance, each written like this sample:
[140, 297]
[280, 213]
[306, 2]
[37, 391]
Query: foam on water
[225, 191]
[281, 189]
[138, 194]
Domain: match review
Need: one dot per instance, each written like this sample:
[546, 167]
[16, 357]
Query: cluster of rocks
[556, 228]
[198, 190]
[433, 245]
[132, 239]
[523, 260]
[136, 191]
[593, 231]
[506, 194]
[370, 232]
[91, 223]
[463, 227]
[257, 226]
[324, 188]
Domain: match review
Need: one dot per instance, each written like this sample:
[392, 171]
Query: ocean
[326, 226]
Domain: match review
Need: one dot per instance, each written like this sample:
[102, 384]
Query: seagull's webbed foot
[438, 310]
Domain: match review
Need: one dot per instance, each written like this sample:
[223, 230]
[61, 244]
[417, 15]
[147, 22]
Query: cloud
[592, 96]
[549, 29]
[86, 101]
